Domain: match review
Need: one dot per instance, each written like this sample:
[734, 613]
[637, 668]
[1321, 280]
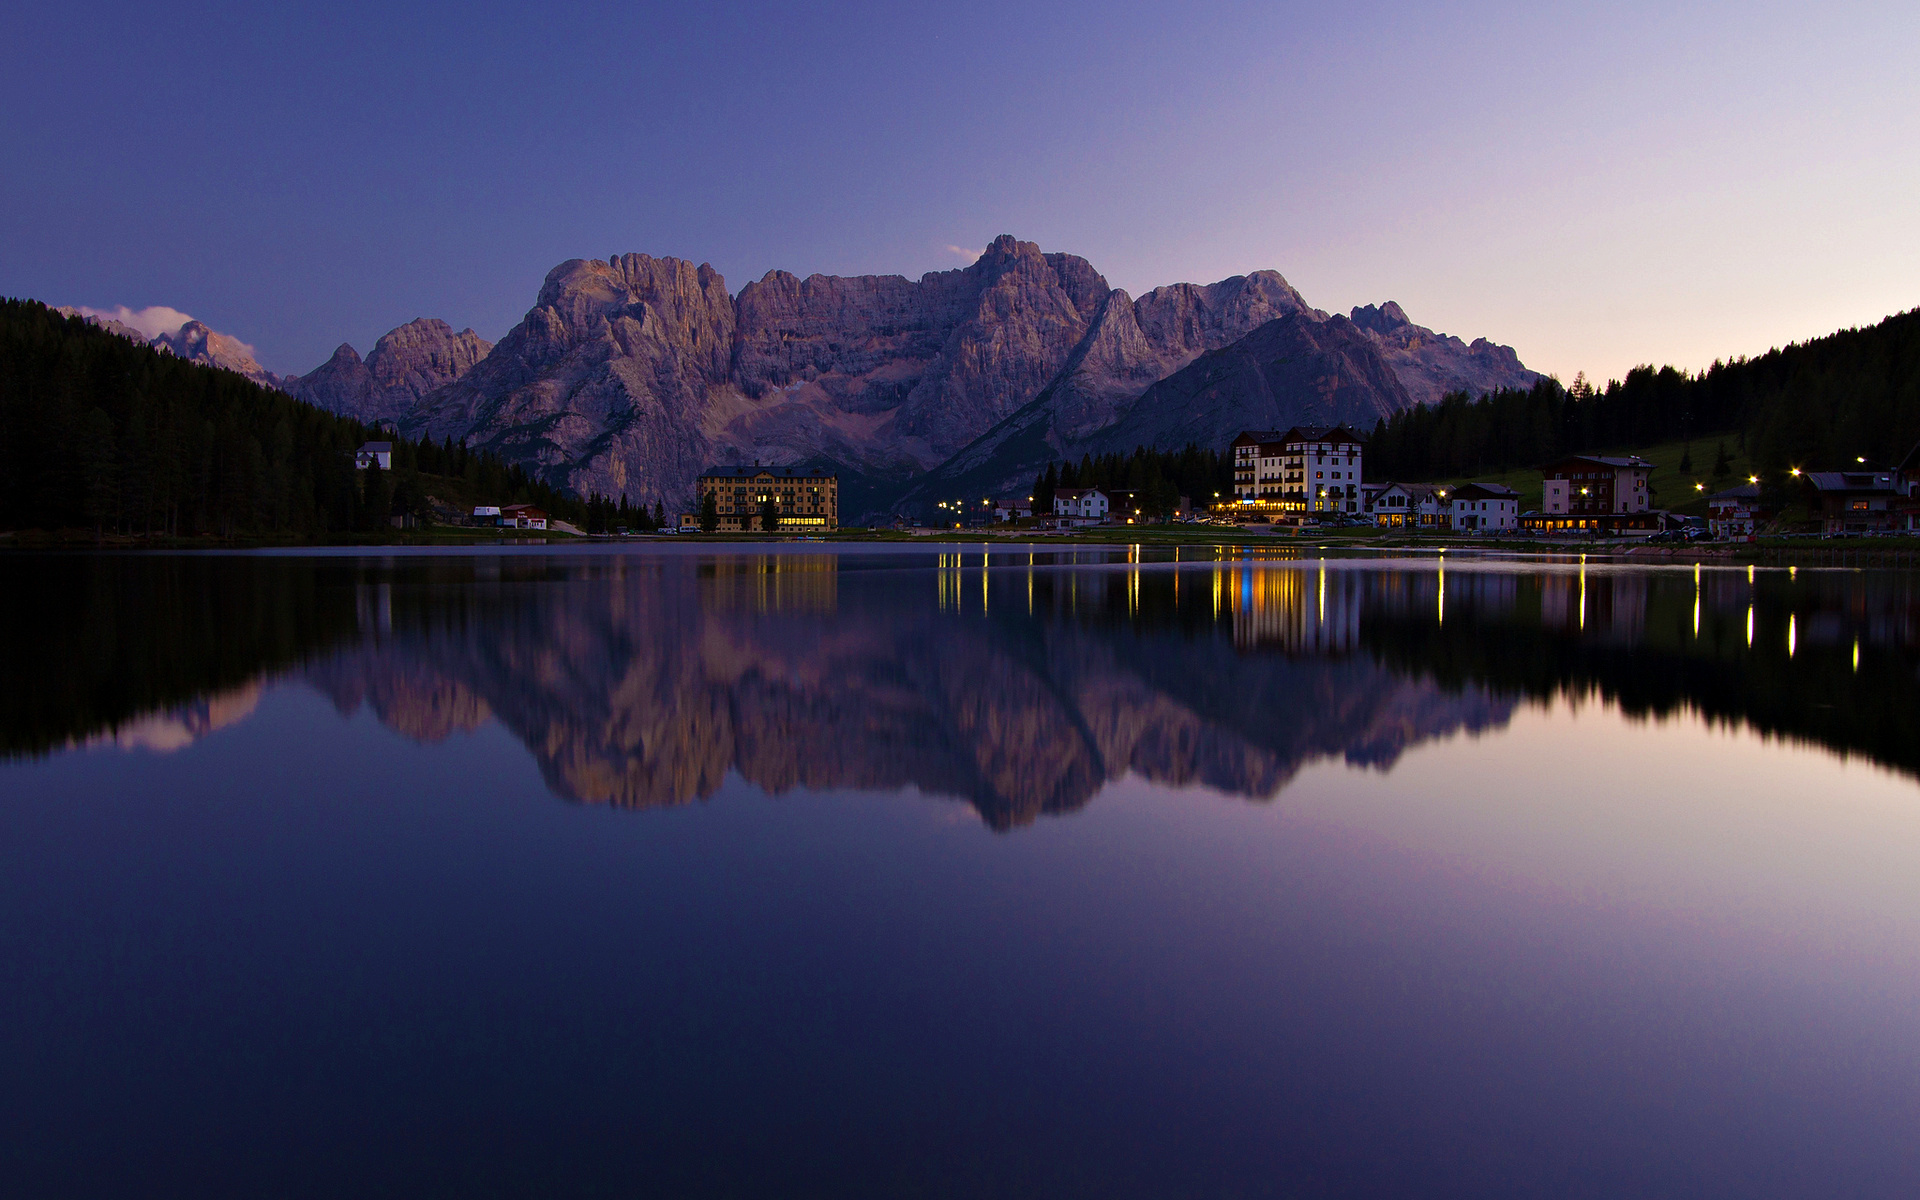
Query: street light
[1795, 472]
[1756, 478]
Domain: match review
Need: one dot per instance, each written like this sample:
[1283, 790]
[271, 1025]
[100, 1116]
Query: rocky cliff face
[631, 376]
[634, 375]
[405, 365]
[1300, 369]
[1430, 365]
[1293, 371]
[609, 384]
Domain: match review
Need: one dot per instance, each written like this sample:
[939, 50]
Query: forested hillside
[1820, 403]
[1158, 478]
[99, 433]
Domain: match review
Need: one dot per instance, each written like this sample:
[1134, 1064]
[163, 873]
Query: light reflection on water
[1367, 877]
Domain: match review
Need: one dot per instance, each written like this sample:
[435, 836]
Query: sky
[1595, 185]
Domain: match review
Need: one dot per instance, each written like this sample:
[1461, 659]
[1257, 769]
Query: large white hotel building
[1309, 468]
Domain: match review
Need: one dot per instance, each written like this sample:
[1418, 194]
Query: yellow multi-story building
[806, 499]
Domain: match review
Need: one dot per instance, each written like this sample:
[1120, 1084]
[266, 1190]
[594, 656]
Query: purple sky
[1595, 185]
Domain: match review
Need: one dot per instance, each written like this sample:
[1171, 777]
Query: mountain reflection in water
[1022, 682]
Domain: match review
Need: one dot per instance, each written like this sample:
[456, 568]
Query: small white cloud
[152, 321]
[963, 252]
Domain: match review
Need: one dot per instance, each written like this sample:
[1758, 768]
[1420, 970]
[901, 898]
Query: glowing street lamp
[1795, 472]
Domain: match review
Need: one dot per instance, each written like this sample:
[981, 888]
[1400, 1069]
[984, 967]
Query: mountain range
[633, 374]
[193, 341]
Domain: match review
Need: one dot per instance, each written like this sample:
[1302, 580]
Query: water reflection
[1021, 682]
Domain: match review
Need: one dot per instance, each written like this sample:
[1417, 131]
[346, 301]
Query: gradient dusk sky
[1595, 185]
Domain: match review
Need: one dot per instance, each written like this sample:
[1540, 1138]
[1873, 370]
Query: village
[1314, 478]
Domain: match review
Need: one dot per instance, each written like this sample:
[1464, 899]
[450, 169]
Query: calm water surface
[975, 874]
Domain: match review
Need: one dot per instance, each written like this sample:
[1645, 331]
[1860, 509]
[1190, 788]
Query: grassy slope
[1671, 489]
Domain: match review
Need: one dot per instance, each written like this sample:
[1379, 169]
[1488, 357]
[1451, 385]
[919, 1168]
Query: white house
[1080, 504]
[374, 454]
[487, 514]
[1485, 508]
[1411, 505]
[1012, 509]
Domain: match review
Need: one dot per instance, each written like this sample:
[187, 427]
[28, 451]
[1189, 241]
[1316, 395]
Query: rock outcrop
[406, 364]
[1430, 364]
[1299, 369]
[195, 342]
[1293, 371]
[632, 375]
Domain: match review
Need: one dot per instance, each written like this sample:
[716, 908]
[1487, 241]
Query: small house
[522, 516]
[1484, 508]
[1734, 513]
[373, 454]
[1408, 505]
[1080, 506]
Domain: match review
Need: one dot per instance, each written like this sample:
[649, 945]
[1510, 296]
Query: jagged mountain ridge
[1430, 365]
[406, 363]
[1303, 368]
[633, 374]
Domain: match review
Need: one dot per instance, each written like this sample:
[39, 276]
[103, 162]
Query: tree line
[104, 434]
[1821, 403]
[1157, 478]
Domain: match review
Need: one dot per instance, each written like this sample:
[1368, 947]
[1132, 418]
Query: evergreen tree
[376, 497]
[769, 514]
[709, 513]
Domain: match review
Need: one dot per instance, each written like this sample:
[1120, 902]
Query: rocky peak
[422, 355]
[1383, 318]
[195, 342]
[405, 365]
[667, 299]
[1433, 364]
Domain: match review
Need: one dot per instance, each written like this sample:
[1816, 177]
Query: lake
[957, 871]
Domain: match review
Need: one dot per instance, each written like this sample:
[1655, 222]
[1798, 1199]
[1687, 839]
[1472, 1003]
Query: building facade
[807, 500]
[1408, 505]
[1586, 486]
[1306, 469]
[374, 454]
[522, 516]
[1735, 512]
[1083, 505]
[1484, 508]
[1859, 501]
